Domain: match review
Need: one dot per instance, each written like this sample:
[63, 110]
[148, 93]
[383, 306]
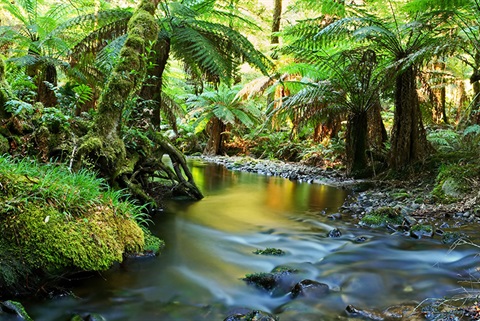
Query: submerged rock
[310, 289]
[334, 233]
[250, 315]
[269, 251]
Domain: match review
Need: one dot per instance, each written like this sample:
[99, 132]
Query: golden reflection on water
[253, 202]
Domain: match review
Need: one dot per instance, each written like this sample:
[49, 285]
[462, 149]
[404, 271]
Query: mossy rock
[452, 237]
[40, 236]
[454, 181]
[421, 230]
[382, 216]
[269, 251]
[15, 308]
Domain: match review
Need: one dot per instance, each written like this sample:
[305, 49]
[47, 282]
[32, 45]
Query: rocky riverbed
[411, 198]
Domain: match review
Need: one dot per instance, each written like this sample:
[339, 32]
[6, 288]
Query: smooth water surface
[209, 249]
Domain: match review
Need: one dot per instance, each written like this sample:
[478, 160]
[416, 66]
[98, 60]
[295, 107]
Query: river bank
[413, 197]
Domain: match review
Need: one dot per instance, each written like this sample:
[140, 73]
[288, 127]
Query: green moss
[382, 216]
[454, 181]
[93, 242]
[400, 196]
[269, 251]
[152, 243]
[4, 145]
[54, 221]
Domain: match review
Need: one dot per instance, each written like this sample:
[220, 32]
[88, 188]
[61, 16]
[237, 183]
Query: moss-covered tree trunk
[409, 141]
[103, 145]
[104, 148]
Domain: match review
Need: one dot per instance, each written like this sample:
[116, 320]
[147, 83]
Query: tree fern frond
[98, 39]
[243, 117]
[108, 55]
[225, 114]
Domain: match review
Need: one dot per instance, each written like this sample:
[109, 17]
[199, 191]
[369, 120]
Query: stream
[210, 245]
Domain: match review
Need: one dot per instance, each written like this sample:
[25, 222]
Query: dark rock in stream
[88, 317]
[310, 289]
[334, 233]
[250, 315]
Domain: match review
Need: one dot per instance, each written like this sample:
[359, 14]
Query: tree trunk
[216, 129]
[103, 146]
[277, 15]
[475, 111]
[377, 134]
[409, 141]
[438, 96]
[356, 144]
[152, 87]
[461, 100]
[45, 94]
[328, 129]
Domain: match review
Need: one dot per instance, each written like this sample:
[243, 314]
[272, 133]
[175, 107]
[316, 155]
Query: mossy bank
[55, 223]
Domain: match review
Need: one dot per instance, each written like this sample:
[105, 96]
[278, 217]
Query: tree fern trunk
[45, 94]
[215, 141]
[356, 144]
[409, 142]
[377, 134]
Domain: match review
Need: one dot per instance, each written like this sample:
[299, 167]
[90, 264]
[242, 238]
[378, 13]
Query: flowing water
[210, 245]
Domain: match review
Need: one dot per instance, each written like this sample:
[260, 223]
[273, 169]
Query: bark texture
[356, 144]
[277, 16]
[409, 141]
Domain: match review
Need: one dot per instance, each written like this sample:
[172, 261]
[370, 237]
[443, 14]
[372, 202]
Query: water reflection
[210, 248]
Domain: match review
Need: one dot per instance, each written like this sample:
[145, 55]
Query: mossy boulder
[15, 309]
[421, 230]
[454, 181]
[47, 231]
[382, 217]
